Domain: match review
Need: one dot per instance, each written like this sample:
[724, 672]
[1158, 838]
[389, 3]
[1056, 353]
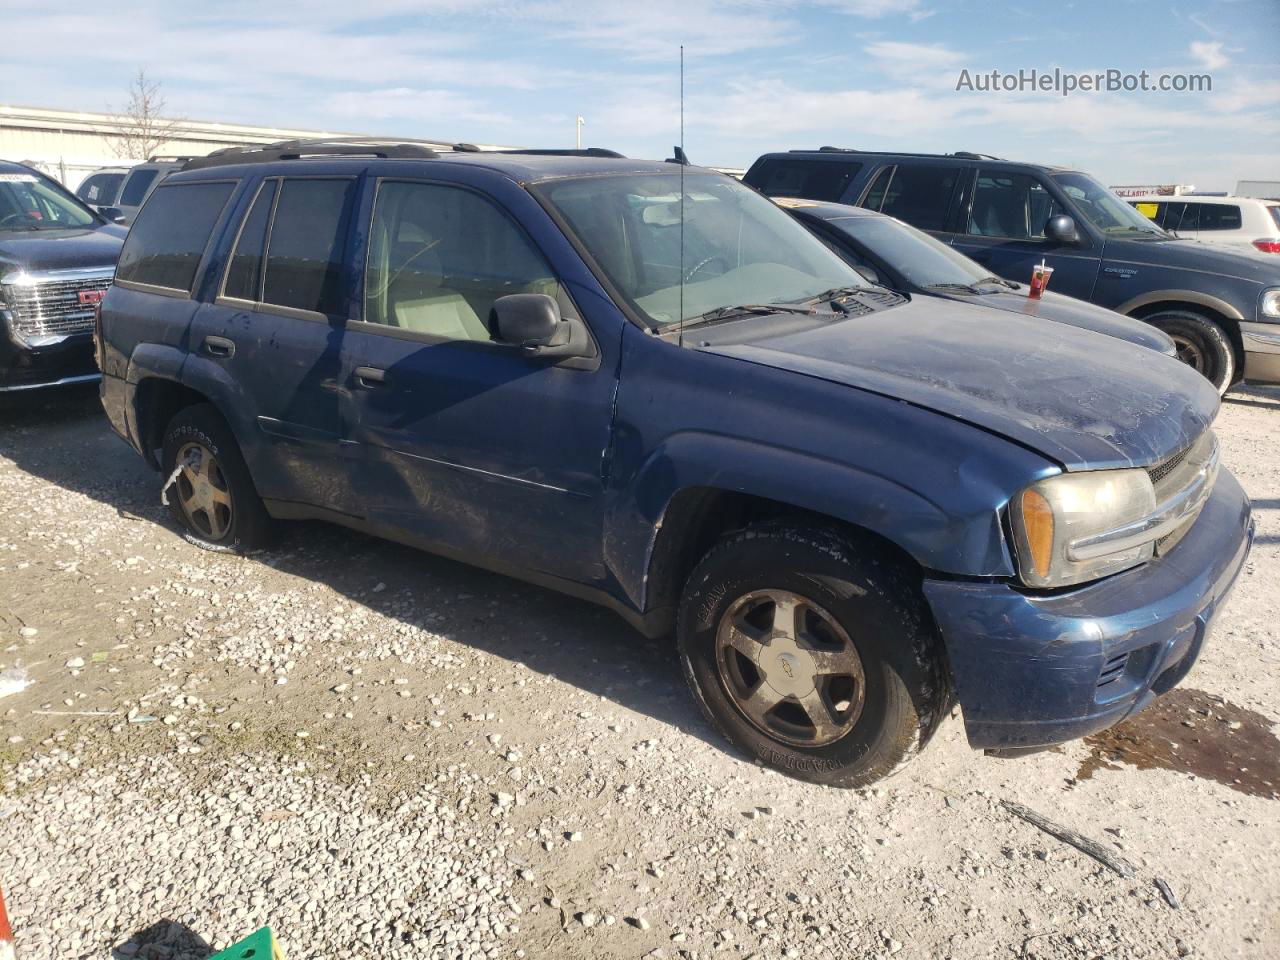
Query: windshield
[739, 248]
[1104, 209]
[918, 257]
[29, 203]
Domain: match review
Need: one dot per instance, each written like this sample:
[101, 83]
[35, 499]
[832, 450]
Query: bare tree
[146, 128]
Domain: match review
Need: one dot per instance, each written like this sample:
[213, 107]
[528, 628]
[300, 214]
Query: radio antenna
[680, 332]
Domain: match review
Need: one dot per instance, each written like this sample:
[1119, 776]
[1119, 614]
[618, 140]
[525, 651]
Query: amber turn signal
[1037, 521]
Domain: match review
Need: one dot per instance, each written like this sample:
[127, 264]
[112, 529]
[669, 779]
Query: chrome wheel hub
[203, 491]
[790, 668]
[1189, 353]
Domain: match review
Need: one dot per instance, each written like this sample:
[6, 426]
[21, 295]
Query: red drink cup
[1039, 280]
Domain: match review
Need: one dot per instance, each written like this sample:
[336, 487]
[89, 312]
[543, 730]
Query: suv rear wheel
[1201, 343]
[818, 658]
[208, 487]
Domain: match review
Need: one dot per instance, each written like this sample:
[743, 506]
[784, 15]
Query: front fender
[936, 535]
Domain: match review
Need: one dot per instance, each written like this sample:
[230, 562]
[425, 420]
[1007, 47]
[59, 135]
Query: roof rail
[336, 147]
[959, 154]
[166, 158]
[583, 152]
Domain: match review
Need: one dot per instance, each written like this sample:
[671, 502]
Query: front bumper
[45, 362]
[1261, 352]
[1036, 670]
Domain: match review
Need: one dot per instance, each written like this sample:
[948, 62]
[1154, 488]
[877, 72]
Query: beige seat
[441, 314]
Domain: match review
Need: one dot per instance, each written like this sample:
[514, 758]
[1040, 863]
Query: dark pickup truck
[647, 385]
[57, 258]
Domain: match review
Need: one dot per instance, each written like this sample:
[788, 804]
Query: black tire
[1202, 344]
[244, 526]
[868, 593]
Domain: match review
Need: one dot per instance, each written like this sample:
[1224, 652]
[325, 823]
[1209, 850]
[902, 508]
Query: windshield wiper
[999, 281]
[728, 313]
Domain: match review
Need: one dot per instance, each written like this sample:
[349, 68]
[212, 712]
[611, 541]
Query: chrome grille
[1166, 467]
[53, 307]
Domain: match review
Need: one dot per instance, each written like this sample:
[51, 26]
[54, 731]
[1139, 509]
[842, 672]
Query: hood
[1077, 313]
[1084, 399]
[30, 250]
[1190, 255]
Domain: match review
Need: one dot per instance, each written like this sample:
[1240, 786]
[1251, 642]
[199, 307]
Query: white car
[1237, 221]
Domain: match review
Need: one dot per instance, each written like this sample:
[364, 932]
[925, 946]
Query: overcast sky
[760, 74]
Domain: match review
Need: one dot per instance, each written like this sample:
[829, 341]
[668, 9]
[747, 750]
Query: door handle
[219, 347]
[370, 377]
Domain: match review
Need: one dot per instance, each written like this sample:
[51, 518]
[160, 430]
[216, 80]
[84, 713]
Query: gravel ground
[382, 754]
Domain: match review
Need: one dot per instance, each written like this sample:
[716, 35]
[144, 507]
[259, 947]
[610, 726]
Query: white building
[70, 144]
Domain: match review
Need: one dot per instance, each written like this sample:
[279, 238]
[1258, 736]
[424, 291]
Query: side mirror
[1061, 229]
[532, 321]
[114, 214]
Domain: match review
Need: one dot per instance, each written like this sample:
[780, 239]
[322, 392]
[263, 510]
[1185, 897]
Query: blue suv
[647, 385]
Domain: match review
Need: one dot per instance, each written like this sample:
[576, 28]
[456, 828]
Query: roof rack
[335, 147]
[166, 158]
[375, 147]
[583, 152]
[961, 154]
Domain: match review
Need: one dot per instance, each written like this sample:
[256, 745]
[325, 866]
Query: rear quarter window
[1220, 216]
[811, 179]
[135, 188]
[169, 237]
[1275, 215]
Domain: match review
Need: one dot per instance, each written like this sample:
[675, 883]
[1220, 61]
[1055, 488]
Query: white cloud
[1210, 54]
[874, 9]
[438, 107]
[909, 58]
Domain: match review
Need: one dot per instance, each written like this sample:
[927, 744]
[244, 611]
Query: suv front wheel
[814, 656]
[207, 483]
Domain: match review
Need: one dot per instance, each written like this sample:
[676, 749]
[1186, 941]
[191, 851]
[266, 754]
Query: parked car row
[119, 192]
[1221, 307]
[798, 437]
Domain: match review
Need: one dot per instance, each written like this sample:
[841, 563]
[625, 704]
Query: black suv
[57, 258]
[1221, 308]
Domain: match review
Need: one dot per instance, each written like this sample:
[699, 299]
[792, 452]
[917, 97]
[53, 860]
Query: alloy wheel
[790, 668]
[203, 491]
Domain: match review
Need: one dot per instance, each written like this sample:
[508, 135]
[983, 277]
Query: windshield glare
[738, 247]
[29, 203]
[918, 257]
[1103, 208]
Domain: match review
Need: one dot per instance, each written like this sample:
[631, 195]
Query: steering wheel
[22, 218]
[702, 263]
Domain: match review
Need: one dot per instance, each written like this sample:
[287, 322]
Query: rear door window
[169, 237]
[100, 188]
[305, 249]
[244, 275]
[811, 179]
[920, 195]
[135, 188]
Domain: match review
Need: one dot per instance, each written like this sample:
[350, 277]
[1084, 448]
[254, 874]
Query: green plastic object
[257, 946]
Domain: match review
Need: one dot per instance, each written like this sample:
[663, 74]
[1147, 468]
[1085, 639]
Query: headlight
[1075, 527]
[1269, 305]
